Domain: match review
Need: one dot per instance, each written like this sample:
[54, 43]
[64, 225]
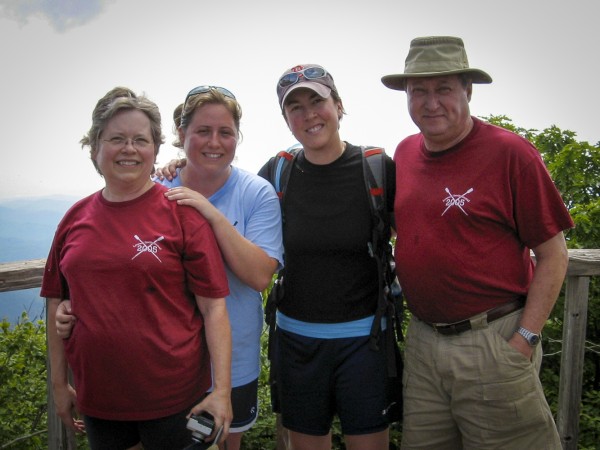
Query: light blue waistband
[355, 328]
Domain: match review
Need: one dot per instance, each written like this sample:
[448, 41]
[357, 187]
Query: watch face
[533, 340]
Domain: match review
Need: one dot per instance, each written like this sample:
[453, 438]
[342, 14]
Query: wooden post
[571, 365]
[59, 437]
[56, 434]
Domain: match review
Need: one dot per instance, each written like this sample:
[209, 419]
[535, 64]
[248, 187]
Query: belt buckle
[445, 330]
[453, 328]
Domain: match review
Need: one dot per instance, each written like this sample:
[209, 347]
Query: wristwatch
[531, 338]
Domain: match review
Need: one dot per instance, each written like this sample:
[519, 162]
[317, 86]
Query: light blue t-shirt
[251, 205]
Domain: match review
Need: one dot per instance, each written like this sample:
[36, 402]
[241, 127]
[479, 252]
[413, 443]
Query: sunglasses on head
[204, 89]
[310, 73]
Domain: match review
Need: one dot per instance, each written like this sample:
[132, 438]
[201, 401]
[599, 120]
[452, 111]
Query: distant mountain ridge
[27, 227]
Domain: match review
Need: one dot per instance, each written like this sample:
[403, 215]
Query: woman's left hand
[218, 405]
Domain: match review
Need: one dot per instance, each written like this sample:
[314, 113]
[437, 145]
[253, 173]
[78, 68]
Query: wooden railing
[583, 264]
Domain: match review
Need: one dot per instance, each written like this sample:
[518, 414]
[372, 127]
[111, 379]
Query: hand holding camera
[202, 426]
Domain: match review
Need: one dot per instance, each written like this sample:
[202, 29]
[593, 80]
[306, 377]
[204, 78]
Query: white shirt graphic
[147, 247]
[456, 200]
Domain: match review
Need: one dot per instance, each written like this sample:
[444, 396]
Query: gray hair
[114, 101]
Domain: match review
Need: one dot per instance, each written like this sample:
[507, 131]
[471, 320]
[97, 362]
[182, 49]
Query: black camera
[201, 426]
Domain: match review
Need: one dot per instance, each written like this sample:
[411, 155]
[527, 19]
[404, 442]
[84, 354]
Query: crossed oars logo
[147, 246]
[456, 200]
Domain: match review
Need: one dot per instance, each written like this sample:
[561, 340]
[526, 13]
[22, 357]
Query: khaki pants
[474, 391]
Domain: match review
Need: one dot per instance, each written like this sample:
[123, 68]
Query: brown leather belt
[491, 315]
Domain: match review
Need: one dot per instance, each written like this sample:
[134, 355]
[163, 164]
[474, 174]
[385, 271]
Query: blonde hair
[182, 118]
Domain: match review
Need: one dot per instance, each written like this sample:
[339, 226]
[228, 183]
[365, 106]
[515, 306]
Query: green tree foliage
[23, 384]
[575, 168]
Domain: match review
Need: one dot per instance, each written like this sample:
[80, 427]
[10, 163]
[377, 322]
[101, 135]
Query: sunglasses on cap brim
[310, 73]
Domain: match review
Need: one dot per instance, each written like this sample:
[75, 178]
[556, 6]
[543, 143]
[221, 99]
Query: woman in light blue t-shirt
[243, 210]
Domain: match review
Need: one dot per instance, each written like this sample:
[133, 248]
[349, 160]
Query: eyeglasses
[310, 73]
[119, 142]
[204, 89]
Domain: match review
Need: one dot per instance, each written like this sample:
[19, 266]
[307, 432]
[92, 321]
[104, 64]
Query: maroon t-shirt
[131, 270]
[467, 218]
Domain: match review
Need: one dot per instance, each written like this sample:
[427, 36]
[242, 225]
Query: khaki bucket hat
[433, 56]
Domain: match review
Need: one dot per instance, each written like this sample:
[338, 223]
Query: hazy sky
[57, 58]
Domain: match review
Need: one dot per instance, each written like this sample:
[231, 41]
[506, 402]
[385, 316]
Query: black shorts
[166, 433]
[244, 400]
[320, 378]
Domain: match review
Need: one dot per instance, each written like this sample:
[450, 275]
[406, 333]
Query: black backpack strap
[375, 180]
[281, 169]
[374, 172]
[273, 300]
[389, 304]
[279, 175]
[374, 176]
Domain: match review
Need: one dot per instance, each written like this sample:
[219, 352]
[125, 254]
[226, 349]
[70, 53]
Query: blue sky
[58, 57]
